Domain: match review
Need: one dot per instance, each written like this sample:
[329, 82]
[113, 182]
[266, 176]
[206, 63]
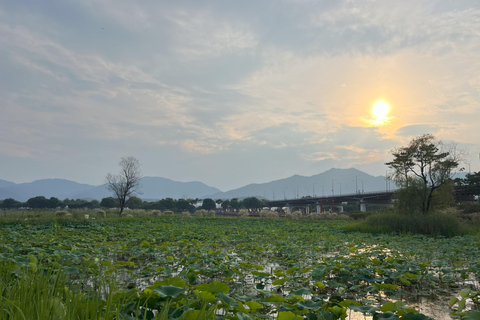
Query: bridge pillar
[340, 208]
[288, 209]
[363, 206]
[319, 207]
[307, 210]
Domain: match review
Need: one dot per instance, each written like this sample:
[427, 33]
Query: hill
[151, 188]
[336, 181]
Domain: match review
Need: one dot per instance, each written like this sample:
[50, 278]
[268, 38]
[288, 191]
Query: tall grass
[36, 292]
[31, 293]
[435, 224]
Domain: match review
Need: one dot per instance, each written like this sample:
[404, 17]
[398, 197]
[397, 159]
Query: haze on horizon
[231, 93]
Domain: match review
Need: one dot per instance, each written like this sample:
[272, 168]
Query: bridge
[384, 198]
[379, 197]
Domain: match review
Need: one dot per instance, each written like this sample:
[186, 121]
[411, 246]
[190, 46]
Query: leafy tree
[54, 203]
[226, 204]
[430, 161]
[94, 204]
[208, 204]
[8, 203]
[235, 204]
[37, 202]
[134, 203]
[252, 203]
[167, 204]
[109, 202]
[184, 205]
[126, 183]
[471, 182]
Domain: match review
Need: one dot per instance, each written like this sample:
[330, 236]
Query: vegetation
[421, 168]
[126, 183]
[169, 267]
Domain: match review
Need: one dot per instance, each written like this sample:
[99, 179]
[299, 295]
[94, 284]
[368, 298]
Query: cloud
[202, 35]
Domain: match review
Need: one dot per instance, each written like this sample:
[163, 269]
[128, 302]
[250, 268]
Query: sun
[380, 111]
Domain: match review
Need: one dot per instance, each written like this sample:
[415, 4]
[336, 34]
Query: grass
[388, 221]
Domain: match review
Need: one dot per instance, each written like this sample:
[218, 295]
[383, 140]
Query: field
[229, 268]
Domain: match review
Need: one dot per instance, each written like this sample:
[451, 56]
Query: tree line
[176, 205]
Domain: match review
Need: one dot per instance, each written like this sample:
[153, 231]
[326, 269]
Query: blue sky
[230, 93]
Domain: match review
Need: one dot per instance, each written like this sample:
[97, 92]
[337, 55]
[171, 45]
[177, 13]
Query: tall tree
[252, 203]
[8, 203]
[208, 204]
[127, 182]
[430, 161]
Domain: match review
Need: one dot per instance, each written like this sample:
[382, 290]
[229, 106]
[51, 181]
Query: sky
[232, 92]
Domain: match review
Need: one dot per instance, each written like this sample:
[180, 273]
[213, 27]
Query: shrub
[470, 208]
[357, 215]
[156, 213]
[210, 213]
[435, 224]
[201, 213]
[294, 215]
[269, 214]
[61, 213]
[78, 215]
[168, 212]
[244, 213]
[186, 214]
[101, 214]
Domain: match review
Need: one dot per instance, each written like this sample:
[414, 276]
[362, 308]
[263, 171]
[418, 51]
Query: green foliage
[208, 204]
[410, 200]
[171, 268]
[109, 202]
[359, 215]
[252, 203]
[424, 161]
[436, 224]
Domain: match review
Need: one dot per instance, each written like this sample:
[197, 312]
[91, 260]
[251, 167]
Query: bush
[210, 213]
[156, 213]
[244, 213]
[61, 213]
[201, 213]
[168, 212]
[269, 214]
[435, 224]
[469, 208]
[186, 214]
[101, 214]
[293, 215]
[358, 215]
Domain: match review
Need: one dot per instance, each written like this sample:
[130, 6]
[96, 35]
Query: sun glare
[380, 111]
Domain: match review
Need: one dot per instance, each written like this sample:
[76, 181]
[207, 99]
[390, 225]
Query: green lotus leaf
[472, 315]
[214, 287]
[288, 315]
[169, 291]
[227, 300]
[364, 309]
[309, 304]
[300, 292]
[387, 315]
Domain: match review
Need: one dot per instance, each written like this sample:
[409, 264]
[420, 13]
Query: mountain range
[333, 181]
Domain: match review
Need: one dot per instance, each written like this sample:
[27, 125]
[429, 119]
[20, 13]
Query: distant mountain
[151, 187]
[5, 183]
[341, 181]
[155, 188]
[58, 188]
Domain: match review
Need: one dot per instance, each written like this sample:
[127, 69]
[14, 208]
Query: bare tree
[127, 182]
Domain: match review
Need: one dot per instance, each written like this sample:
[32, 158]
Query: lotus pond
[232, 268]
